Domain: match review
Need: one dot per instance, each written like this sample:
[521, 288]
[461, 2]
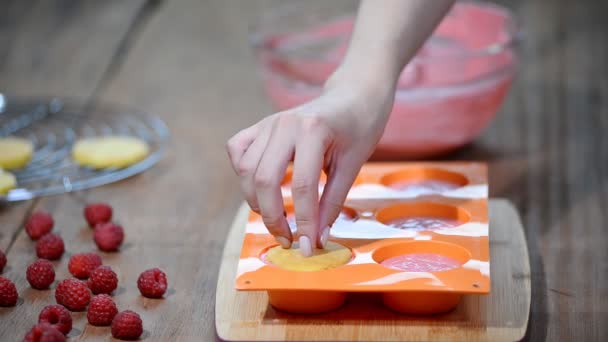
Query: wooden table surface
[189, 61]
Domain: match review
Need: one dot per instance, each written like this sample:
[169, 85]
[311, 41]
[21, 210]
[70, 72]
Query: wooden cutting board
[500, 316]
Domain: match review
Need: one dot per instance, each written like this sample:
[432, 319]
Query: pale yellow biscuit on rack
[332, 256]
[15, 153]
[7, 182]
[109, 151]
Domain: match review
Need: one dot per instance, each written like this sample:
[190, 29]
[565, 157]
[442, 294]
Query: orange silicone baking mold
[370, 207]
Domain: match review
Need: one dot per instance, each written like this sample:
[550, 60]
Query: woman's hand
[337, 132]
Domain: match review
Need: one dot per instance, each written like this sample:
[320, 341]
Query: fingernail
[283, 241]
[324, 237]
[305, 246]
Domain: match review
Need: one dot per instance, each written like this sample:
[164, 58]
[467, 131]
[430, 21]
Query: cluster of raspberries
[92, 285]
[108, 236]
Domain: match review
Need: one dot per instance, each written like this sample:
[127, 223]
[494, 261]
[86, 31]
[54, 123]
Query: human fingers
[248, 165]
[313, 141]
[268, 177]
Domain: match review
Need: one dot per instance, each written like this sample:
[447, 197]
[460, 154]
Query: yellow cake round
[332, 256]
[7, 182]
[109, 151]
[15, 153]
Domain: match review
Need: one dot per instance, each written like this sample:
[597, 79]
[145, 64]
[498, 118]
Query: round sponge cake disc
[109, 151]
[15, 153]
[332, 256]
[7, 182]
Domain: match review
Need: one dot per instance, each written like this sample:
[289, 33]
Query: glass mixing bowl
[446, 95]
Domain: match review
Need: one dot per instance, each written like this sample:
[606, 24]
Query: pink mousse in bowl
[446, 95]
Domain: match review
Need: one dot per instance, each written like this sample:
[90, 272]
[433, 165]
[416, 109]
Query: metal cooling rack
[53, 125]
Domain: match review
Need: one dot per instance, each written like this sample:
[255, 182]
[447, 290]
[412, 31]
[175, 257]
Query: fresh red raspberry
[57, 316]
[39, 224]
[102, 280]
[50, 247]
[108, 236]
[8, 292]
[82, 264]
[97, 213]
[73, 294]
[127, 325]
[152, 283]
[2, 261]
[44, 332]
[40, 274]
[101, 310]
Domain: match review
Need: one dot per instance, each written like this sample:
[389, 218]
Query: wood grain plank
[188, 66]
[174, 213]
[190, 80]
[58, 48]
[62, 48]
[549, 156]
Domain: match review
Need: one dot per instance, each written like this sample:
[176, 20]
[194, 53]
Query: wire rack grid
[53, 125]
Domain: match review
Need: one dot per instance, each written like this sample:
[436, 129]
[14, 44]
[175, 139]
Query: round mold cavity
[306, 302]
[420, 250]
[346, 214]
[422, 216]
[424, 180]
[322, 179]
[264, 257]
[420, 303]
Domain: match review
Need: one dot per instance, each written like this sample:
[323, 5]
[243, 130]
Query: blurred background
[520, 84]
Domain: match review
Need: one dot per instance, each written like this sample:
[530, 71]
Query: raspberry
[39, 224]
[73, 294]
[103, 280]
[152, 283]
[2, 260]
[58, 317]
[8, 292]
[44, 332]
[50, 247]
[82, 264]
[108, 236]
[127, 325]
[40, 274]
[97, 213]
[101, 310]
